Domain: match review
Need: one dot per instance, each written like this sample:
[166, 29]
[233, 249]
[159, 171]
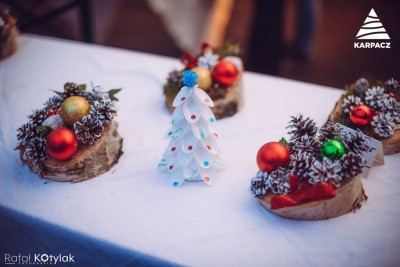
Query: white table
[136, 208]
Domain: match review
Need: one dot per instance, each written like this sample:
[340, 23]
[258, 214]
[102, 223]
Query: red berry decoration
[225, 72]
[61, 144]
[272, 155]
[361, 115]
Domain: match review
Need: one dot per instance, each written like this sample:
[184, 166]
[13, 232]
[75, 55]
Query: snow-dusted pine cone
[306, 144]
[392, 85]
[38, 116]
[383, 124]
[72, 89]
[356, 142]
[88, 130]
[301, 163]
[391, 106]
[330, 131]
[352, 165]
[374, 97]
[278, 181]
[258, 185]
[26, 133]
[103, 110]
[350, 102]
[300, 126]
[36, 149]
[175, 77]
[325, 171]
[94, 95]
[361, 86]
[54, 103]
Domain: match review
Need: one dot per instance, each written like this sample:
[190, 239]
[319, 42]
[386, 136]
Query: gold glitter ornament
[73, 109]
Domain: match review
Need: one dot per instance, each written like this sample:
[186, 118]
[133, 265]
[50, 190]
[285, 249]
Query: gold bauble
[204, 78]
[73, 109]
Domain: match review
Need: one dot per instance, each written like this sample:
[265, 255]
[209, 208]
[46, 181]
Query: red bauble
[61, 144]
[225, 72]
[361, 115]
[272, 155]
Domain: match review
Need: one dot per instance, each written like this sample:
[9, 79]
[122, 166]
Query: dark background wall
[131, 24]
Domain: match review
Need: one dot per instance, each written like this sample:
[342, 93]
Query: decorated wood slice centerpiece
[374, 109]
[8, 32]
[219, 73]
[311, 177]
[74, 137]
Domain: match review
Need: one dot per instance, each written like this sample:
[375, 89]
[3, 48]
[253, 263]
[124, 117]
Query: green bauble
[332, 149]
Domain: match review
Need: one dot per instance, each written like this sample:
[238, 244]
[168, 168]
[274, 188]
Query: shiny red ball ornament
[272, 155]
[61, 144]
[225, 72]
[361, 115]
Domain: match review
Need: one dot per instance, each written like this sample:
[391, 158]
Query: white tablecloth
[134, 207]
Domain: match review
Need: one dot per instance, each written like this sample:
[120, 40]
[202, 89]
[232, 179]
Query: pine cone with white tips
[383, 124]
[325, 171]
[352, 165]
[350, 102]
[300, 126]
[278, 181]
[36, 149]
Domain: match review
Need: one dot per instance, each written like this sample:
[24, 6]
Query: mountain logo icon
[372, 28]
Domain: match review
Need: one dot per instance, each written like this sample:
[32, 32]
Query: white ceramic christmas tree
[192, 153]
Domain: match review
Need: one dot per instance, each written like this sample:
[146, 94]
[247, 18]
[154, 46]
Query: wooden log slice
[224, 107]
[88, 162]
[348, 198]
[10, 45]
[391, 145]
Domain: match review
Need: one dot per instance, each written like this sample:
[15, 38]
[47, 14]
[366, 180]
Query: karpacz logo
[372, 29]
[37, 259]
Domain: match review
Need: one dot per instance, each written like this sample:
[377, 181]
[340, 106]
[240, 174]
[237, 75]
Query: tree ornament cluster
[310, 157]
[374, 108]
[216, 69]
[71, 118]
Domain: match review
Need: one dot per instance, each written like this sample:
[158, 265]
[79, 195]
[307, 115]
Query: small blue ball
[189, 78]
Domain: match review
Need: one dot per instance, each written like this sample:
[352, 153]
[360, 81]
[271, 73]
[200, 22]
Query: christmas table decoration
[311, 176]
[219, 73]
[8, 32]
[74, 137]
[374, 109]
[192, 153]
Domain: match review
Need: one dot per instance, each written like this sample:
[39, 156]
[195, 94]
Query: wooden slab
[348, 198]
[88, 162]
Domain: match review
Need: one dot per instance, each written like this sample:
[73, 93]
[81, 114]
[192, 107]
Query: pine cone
[352, 165]
[350, 102]
[306, 144]
[330, 131]
[391, 106]
[88, 130]
[54, 103]
[374, 97]
[258, 186]
[383, 124]
[278, 181]
[94, 95]
[301, 163]
[301, 127]
[361, 86]
[356, 142]
[26, 133]
[325, 171]
[103, 110]
[37, 117]
[392, 85]
[72, 89]
[175, 78]
[36, 149]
